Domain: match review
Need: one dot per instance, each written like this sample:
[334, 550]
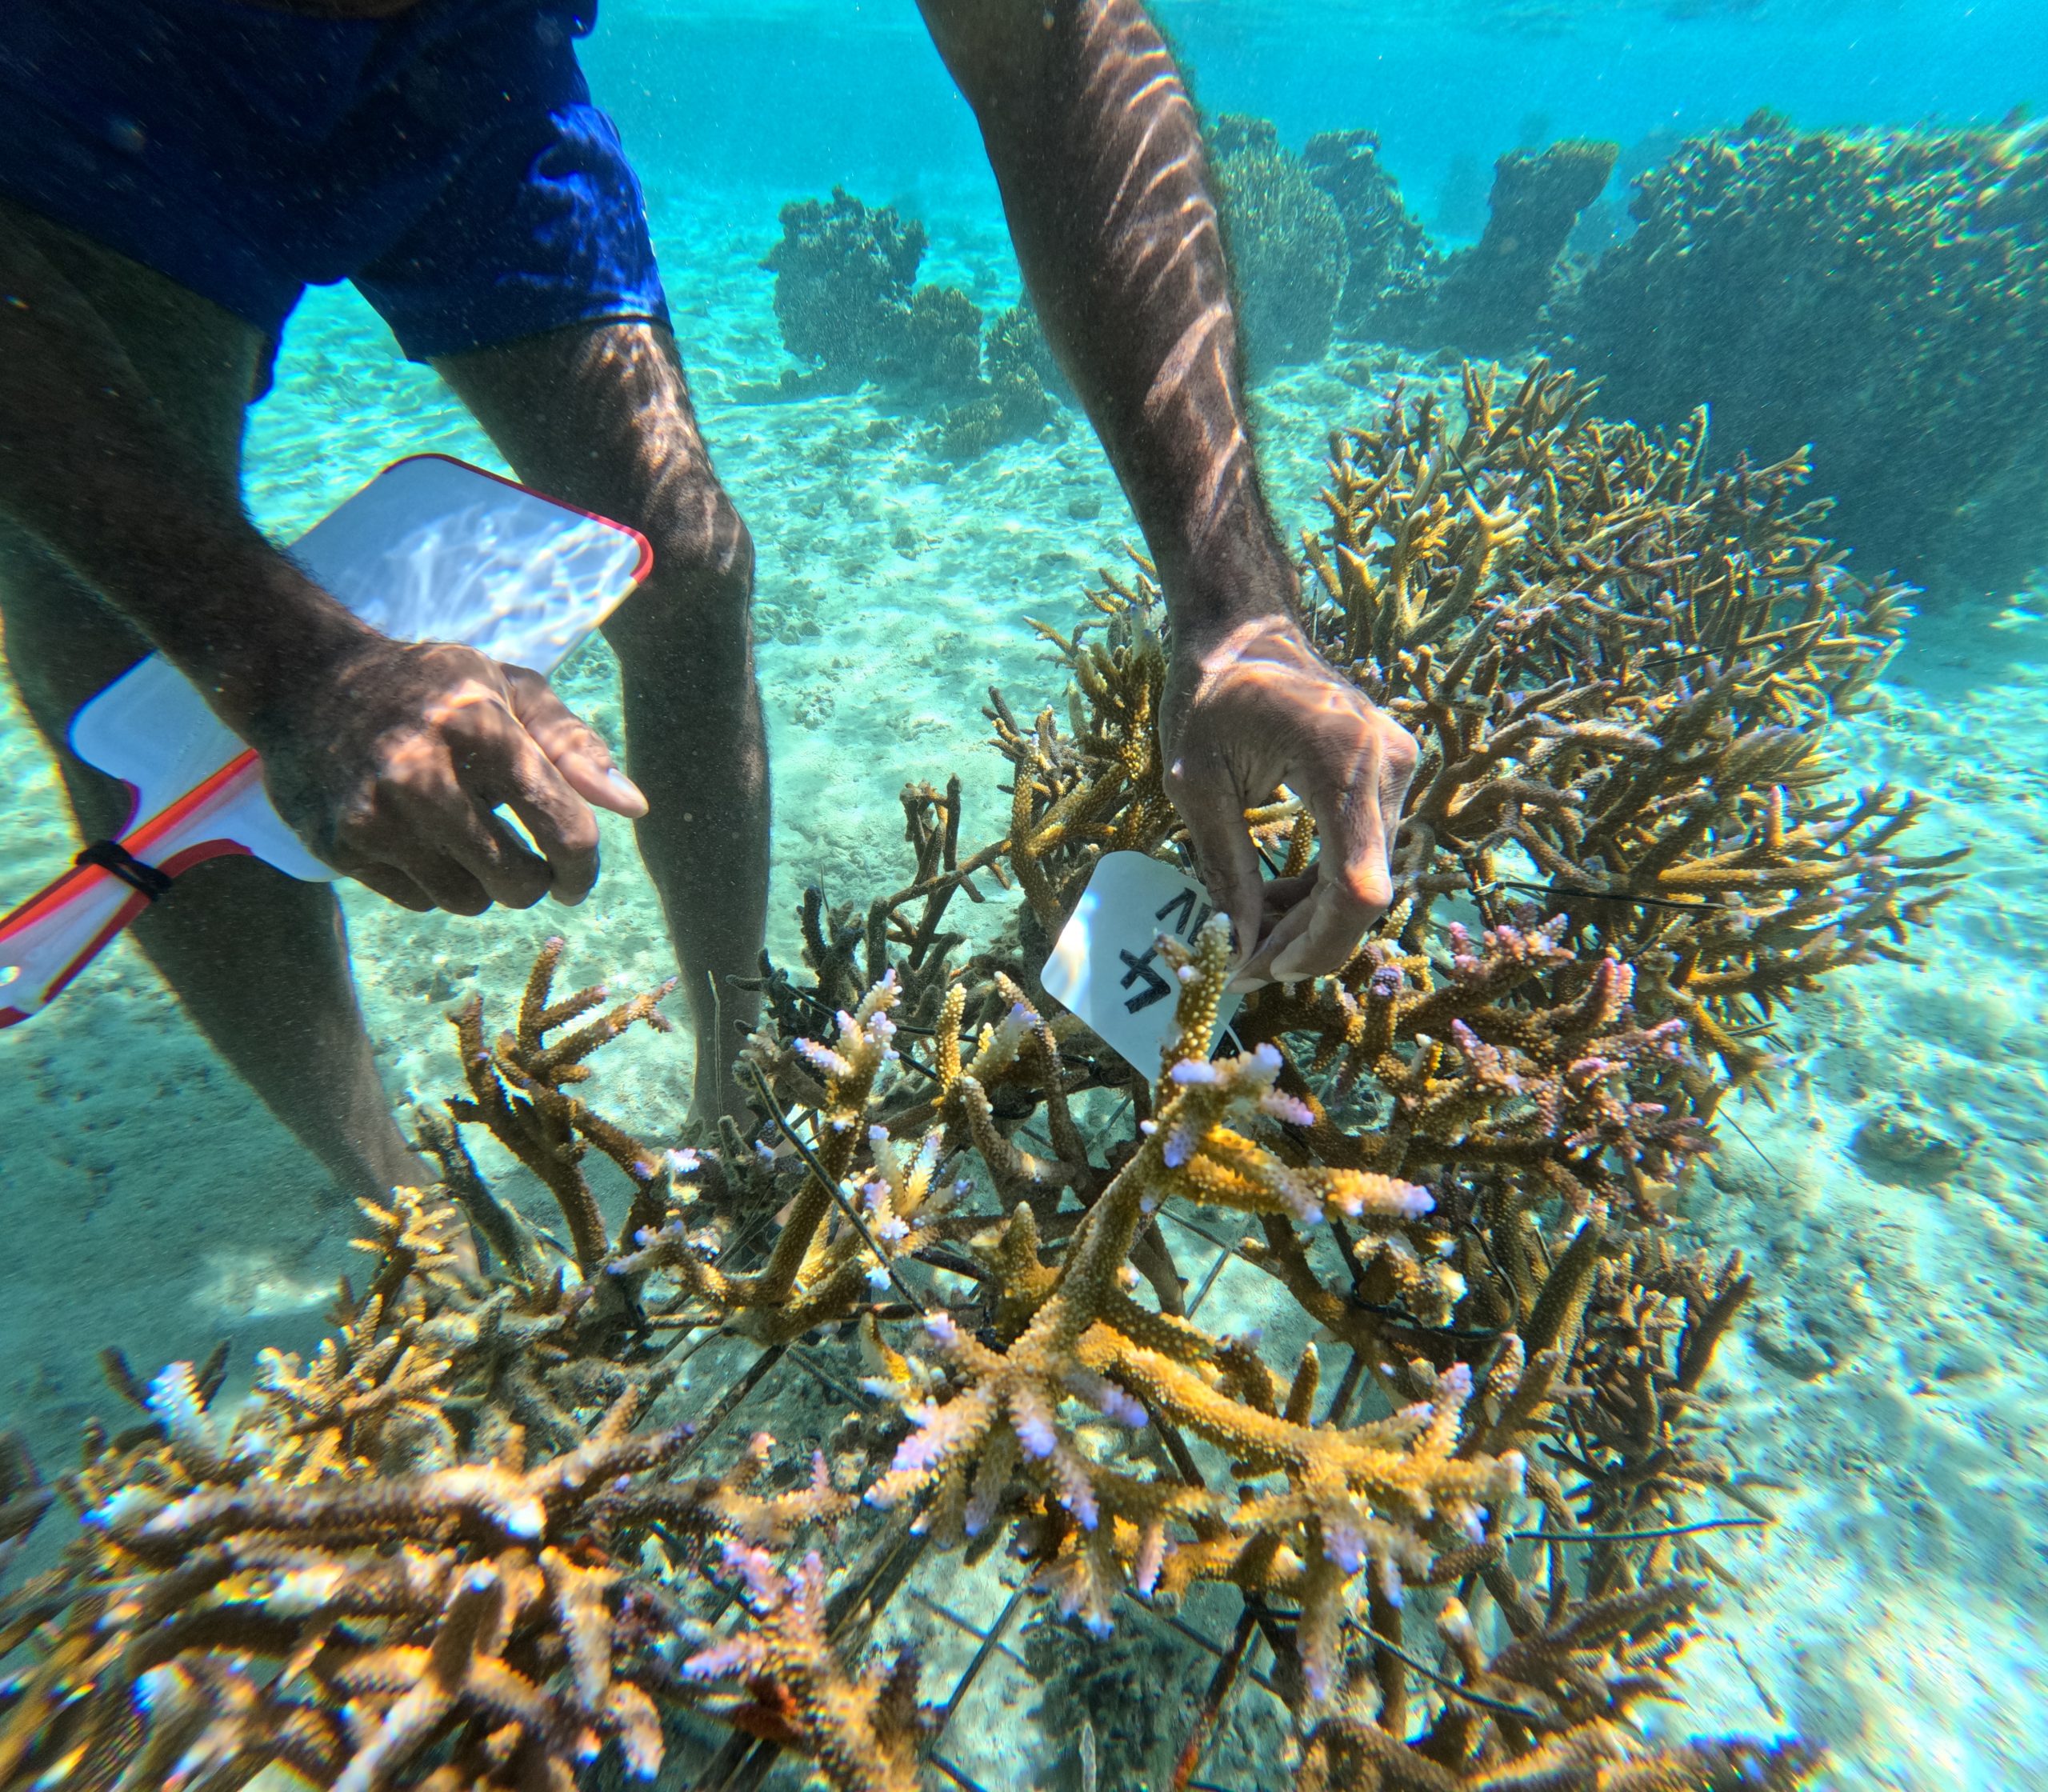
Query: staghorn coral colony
[1451, 1517]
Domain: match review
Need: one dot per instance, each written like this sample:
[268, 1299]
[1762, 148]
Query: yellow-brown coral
[1474, 1519]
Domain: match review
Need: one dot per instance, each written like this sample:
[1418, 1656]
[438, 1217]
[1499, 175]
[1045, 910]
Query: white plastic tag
[1106, 967]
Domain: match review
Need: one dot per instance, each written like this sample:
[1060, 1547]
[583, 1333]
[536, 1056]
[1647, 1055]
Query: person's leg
[599, 416]
[259, 960]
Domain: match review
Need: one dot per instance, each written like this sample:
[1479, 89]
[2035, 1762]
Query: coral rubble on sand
[476, 1540]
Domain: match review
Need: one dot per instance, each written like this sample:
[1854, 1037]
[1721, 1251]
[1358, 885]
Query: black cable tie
[110, 855]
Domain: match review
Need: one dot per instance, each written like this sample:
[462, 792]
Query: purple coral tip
[1036, 1437]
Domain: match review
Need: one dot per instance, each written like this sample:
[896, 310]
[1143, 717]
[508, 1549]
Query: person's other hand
[389, 759]
[1260, 708]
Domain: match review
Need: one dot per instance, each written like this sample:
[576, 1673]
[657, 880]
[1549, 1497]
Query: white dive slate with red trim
[1106, 965]
[430, 550]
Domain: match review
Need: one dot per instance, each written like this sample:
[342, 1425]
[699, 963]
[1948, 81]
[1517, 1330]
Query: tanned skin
[1095, 146]
[121, 530]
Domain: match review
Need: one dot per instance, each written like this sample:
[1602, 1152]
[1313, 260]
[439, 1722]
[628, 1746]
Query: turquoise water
[1892, 1387]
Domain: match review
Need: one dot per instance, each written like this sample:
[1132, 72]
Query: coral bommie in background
[1392, 259]
[1015, 400]
[845, 275]
[1326, 241]
[1770, 271]
[851, 311]
[1882, 295]
[1459, 1539]
[1488, 296]
[1287, 243]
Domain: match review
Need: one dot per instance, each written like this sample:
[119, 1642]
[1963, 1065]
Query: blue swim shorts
[448, 160]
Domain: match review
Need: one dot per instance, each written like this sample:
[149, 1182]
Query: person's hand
[1257, 708]
[389, 758]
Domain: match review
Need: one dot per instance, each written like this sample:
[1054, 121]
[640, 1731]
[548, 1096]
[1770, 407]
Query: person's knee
[63, 644]
[711, 552]
[700, 592]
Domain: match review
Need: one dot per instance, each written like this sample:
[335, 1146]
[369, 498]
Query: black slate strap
[110, 855]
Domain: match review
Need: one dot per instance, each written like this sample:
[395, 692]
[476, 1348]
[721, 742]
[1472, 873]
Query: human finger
[1354, 887]
[1397, 760]
[1279, 896]
[1283, 912]
[394, 886]
[399, 833]
[504, 868]
[576, 751]
[1225, 856]
[499, 762]
[1284, 927]
[446, 884]
[559, 821]
[361, 843]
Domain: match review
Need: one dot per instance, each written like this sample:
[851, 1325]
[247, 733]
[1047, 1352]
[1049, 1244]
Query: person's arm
[387, 758]
[1097, 151]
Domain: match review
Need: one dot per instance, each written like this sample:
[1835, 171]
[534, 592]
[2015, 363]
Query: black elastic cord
[110, 855]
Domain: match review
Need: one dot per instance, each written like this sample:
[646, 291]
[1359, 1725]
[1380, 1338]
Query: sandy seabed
[1891, 1379]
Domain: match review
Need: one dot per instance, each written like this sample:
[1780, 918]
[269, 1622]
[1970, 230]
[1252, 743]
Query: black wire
[1606, 896]
[820, 1005]
[831, 1186]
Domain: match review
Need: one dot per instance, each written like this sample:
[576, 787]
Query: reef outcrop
[1880, 295]
[1376, 273]
[1460, 1504]
[1392, 260]
[845, 277]
[852, 314]
[1016, 399]
[1288, 245]
[1488, 297]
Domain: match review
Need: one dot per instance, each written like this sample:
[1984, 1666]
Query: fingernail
[624, 788]
[1288, 967]
[1245, 982]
